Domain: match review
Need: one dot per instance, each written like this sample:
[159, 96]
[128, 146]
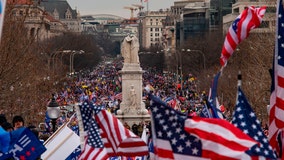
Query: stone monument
[132, 108]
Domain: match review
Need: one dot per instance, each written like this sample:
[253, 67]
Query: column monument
[132, 108]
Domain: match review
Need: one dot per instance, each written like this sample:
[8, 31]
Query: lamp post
[53, 112]
[72, 60]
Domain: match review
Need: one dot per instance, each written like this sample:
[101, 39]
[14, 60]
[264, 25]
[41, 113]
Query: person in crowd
[2, 119]
[18, 122]
[7, 126]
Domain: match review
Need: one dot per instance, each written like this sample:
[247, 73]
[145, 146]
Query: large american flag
[276, 108]
[104, 128]
[250, 18]
[176, 136]
[245, 119]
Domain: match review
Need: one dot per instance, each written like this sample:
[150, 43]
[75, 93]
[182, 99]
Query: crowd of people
[102, 86]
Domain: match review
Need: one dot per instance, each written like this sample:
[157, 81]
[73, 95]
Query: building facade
[152, 29]
[61, 10]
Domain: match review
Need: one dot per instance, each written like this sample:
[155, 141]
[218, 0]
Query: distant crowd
[102, 86]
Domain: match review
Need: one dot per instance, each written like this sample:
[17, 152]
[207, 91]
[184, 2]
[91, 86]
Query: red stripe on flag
[249, 19]
[121, 140]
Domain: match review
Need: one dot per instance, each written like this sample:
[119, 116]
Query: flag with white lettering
[24, 145]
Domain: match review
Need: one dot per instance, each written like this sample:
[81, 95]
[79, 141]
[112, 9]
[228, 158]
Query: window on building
[236, 10]
[151, 29]
[157, 29]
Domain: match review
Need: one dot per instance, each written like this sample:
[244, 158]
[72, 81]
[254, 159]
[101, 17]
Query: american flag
[118, 140]
[276, 108]
[250, 18]
[245, 119]
[93, 147]
[176, 136]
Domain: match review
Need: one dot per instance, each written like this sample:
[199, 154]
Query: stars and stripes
[117, 139]
[245, 119]
[250, 18]
[93, 146]
[176, 136]
[107, 137]
[276, 108]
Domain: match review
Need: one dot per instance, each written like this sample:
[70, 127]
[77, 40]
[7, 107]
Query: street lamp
[72, 59]
[53, 112]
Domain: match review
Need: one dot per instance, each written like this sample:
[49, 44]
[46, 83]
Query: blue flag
[24, 145]
[212, 99]
[4, 140]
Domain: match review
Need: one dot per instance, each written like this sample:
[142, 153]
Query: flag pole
[80, 124]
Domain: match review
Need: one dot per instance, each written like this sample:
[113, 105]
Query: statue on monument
[129, 49]
[132, 96]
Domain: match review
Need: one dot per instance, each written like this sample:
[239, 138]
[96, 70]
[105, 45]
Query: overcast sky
[116, 6]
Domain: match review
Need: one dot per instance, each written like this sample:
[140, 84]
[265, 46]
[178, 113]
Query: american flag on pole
[250, 18]
[93, 146]
[2, 11]
[245, 119]
[276, 108]
[104, 128]
[176, 136]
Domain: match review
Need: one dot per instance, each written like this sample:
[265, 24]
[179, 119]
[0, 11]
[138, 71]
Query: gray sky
[116, 6]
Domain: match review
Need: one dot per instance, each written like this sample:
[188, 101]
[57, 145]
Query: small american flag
[245, 119]
[276, 109]
[250, 18]
[176, 136]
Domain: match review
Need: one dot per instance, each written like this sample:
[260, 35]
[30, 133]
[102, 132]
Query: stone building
[61, 11]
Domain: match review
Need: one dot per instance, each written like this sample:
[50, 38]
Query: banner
[61, 144]
[24, 145]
